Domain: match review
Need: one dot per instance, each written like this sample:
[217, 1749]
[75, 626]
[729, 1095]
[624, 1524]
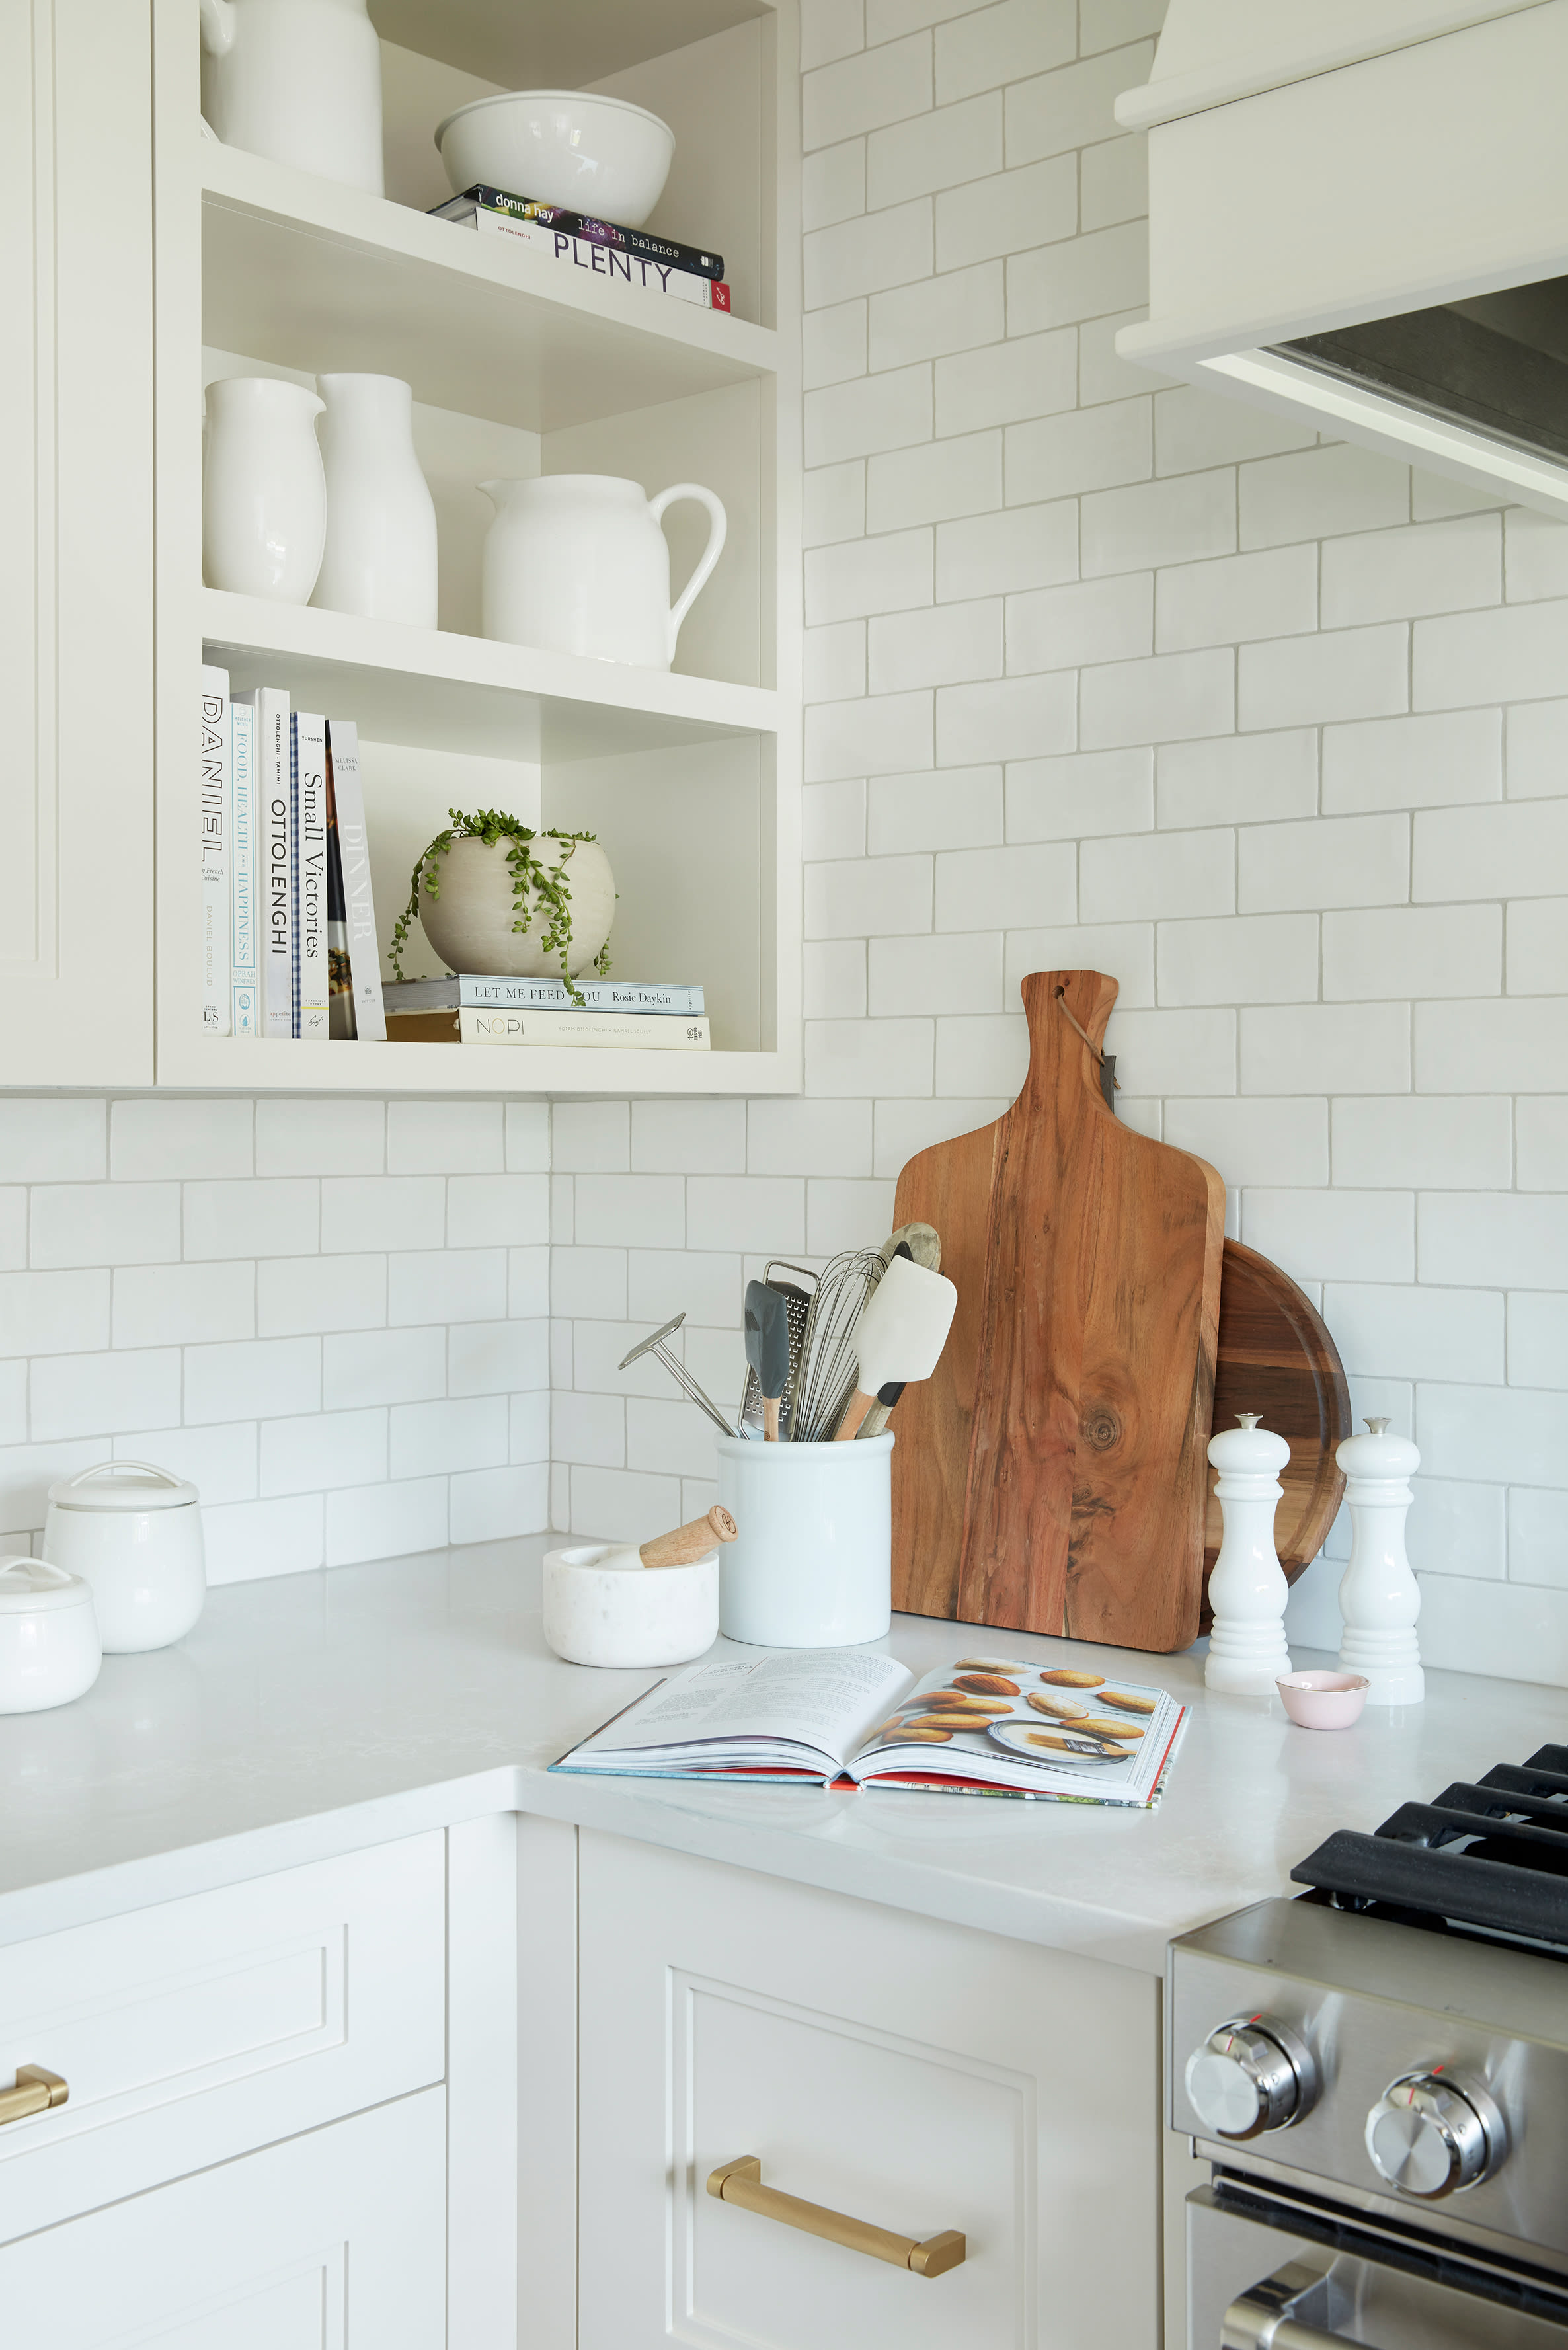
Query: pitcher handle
[217, 26]
[718, 525]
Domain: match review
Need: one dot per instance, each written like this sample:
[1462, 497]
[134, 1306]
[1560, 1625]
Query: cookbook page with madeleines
[1030, 1728]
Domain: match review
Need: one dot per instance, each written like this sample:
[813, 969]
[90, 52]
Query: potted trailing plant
[497, 898]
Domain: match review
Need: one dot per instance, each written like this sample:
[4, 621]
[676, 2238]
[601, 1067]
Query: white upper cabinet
[76, 542]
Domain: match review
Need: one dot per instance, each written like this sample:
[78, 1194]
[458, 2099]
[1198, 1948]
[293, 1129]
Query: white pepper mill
[1247, 1651]
[1379, 1598]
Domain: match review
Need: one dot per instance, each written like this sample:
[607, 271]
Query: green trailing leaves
[540, 893]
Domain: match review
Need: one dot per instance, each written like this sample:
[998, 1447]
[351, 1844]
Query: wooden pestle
[688, 1543]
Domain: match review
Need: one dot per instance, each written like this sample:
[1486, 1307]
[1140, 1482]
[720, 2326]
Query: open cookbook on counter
[989, 1724]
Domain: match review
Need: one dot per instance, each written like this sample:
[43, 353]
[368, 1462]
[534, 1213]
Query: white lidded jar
[49, 1645]
[133, 1532]
[812, 1564]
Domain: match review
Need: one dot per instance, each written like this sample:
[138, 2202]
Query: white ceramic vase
[577, 563]
[1247, 1590]
[297, 80]
[263, 492]
[468, 922]
[380, 554]
[1379, 1597]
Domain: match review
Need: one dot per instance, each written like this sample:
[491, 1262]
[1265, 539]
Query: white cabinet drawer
[201, 2028]
[333, 2242]
[914, 2075]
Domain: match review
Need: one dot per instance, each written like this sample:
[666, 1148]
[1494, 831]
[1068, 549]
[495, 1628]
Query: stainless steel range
[1377, 2072]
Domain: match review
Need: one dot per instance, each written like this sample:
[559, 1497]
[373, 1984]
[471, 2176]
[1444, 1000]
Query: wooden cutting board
[1051, 1476]
[1276, 1357]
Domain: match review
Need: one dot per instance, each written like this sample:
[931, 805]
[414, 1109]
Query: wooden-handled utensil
[899, 1336]
[683, 1547]
[767, 1349]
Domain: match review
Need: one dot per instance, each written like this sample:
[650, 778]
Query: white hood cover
[1316, 165]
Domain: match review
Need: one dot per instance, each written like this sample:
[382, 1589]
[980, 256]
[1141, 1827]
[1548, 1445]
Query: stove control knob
[1251, 2075]
[1433, 2133]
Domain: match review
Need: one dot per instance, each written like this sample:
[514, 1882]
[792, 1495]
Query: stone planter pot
[469, 923]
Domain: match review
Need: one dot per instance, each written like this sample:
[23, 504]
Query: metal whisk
[828, 1365]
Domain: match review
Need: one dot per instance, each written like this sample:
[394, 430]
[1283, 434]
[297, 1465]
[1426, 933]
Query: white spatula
[899, 1336]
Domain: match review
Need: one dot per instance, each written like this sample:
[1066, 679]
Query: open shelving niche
[690, 778]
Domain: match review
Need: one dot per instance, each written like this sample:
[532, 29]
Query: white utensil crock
[49, 1647]
[812, 1566]
[299, 80]
[379, 558]
[577, 563]
[263, 491]
[133, 1533]
[629, 1616]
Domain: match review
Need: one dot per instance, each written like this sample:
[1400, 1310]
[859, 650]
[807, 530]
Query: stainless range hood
[1358, 215]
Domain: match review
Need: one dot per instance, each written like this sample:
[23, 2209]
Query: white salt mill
[1247, 1651]
[1379, 1599]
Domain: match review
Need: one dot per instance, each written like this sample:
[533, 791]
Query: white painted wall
[1106, 671]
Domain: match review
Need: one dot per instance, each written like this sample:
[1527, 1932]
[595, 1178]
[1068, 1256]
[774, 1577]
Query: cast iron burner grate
[1492, 1854]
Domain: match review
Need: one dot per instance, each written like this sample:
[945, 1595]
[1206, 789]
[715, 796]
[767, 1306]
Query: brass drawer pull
[34, 2092]
[741, 2182]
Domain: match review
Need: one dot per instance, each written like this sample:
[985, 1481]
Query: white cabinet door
[76, 541]
[334, 2242]
[917, 2075]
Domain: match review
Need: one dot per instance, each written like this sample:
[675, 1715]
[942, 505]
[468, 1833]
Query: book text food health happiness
[989, 1724]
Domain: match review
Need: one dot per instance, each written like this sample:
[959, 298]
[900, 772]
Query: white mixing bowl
[566, 147]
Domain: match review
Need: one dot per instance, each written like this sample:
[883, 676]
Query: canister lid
[123, 1485]
[30, 1586]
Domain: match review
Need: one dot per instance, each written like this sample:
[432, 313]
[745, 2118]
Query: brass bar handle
[34, 2092]
[741, 2182]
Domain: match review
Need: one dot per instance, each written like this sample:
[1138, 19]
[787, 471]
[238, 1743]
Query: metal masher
[678, 1372]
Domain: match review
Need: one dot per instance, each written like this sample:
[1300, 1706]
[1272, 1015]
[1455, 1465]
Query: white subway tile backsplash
[1537, 756]
[1542, 1142]
[1458, 1528]
[1538, 1339]
[1010, 718]
[833, 504]
[427, 1439]
[1103, 373]
[1422, 762]
[904, 1129]
[1537, 1538]
[1173, 1052]
[1428, 1142]
[590, 1138]
[1440, 566]
[1073, 106]
[363, 1368]
[1081, 793]
[1516, 849]
[994, 554]
[1193, 428]
[26, 1472]
[665, 1436]
[990, 1054]
[1237, 778]
[248, 1540]
[871, 413]
[630, 1212]
[221, 1462]
[1538, 946]
[1312, 681]
[1402, 1331]
[54, 1312]
[1109, 24]
[766, 1212]
[445, 1137]
[987, 47]
[1507, 1240]
[996, 890]
[1250, 959]
[955, 313]
[1274, 1142]
[833, 343]
[833, 184]
[257, 1377]
[699, 1137]
[1155, 876]
[53, 1139]
[1236, 597]
[1502, 1629]
[1510, 1044]
[1326, 1049]
[150, 1139]
[861, 92]
[868, 897]
[1535, 555]
[845, 1215]
[320, 1137]
[1124, 950]
[93, 1394]
[388, 1211]
[699, 1283]
[588, 1430]
[808, 1137]
[855, 1059]
[950, 807]
[178, 1304]
[939, 149]
[834, 662]
[1085, 277]
[527, 1138]
[590, 1281]
[489, 1211]
[104, 1223]
[1114, 181]
[1514, 1436]
[1333, 1235]
[830, 29]
[1035, 375]
[867, 575]
[934, 483]
[1519, 653]
[422, 1286]
[1096, 620]
[620, 1504]
[485, 1505]
[962, 973]
[386, 1521]
[1162, 700]
[946, 645]
[1353, 860]
[14, 1208]
[881, 736]
[268, 1217]
[1081, 449]
[1009, 210]
[1322, 493]
[1412, 950]
[1157, 523]
[528, 1279]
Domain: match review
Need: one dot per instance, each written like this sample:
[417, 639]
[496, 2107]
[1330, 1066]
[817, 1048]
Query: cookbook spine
[359, 898]
[243, 855]
[216, 974]
[622, 997]
[277, 833]
[310, 962]
[610, 1032]
[608, 263]
[583, 224]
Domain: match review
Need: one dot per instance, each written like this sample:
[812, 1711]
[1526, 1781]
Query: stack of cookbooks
[473, 1009]
[615, 255]
[288, 920]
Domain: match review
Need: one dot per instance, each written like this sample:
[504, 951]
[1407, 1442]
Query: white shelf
[243, 1065]
[442, 692]
[309, 274]
[555, 47]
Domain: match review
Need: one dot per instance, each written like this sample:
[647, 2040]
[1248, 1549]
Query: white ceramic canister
[263, 491]
[812, 1566]
[298, 80]
[379, 558]
[133, 1533]
[629, 1616]
[49, 1647]
[577, 563]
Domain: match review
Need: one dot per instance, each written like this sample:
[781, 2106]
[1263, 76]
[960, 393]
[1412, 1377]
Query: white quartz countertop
[316, 1713]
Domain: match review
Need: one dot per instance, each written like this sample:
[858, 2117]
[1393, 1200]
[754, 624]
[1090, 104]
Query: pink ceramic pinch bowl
[1323, 1700]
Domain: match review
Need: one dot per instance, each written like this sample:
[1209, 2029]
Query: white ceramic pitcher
[381, 556]
[299, 80]
[577, 563]
[263, 492]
